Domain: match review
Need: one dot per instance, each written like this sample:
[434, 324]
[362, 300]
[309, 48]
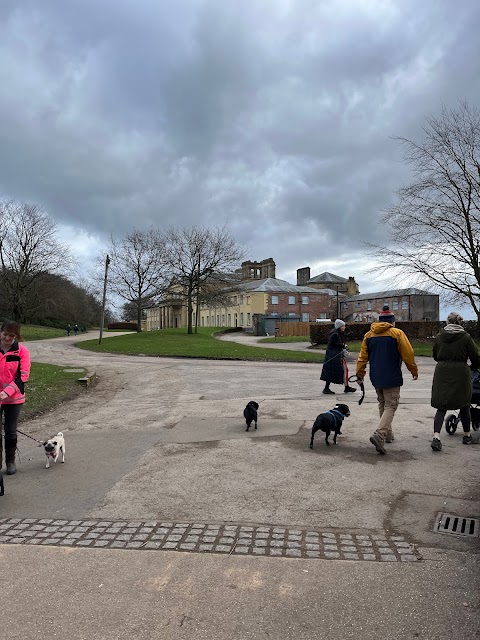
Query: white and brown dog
[53, 447]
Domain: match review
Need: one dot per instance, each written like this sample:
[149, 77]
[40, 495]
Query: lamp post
[107, 262]
[338, 311]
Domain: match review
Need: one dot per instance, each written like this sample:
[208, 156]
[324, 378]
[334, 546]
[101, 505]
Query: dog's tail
[60, 434]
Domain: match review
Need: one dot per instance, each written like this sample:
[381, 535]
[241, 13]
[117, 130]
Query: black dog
[250, 413]
[330, 421]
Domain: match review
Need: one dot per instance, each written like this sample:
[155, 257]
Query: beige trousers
[388, 400]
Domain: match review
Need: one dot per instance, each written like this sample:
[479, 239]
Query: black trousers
[10, 413]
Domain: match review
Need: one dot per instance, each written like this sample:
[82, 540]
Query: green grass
[286, 339]
[33, 332]
[47, 387]
[177, 343]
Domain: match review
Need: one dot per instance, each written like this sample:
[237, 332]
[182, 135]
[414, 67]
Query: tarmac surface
[168, 520]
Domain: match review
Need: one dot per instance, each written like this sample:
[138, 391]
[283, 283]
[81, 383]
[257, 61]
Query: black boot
[349, 389]
[10, 449]
[327, 389]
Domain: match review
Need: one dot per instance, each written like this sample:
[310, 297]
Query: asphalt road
[159, 439]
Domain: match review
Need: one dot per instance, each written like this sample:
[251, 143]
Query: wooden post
[107, 262]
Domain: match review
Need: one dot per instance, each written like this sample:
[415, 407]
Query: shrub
[420, 330]
[127, 326]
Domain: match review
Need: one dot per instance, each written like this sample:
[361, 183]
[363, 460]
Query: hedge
[128, 326]
[356, 330]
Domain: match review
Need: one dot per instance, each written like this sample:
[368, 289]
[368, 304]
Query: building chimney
[303, 276]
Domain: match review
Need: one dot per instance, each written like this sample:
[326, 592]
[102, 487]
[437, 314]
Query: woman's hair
[454, 318]
[9, 326]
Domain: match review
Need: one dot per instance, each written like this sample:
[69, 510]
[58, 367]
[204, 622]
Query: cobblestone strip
[209, 538]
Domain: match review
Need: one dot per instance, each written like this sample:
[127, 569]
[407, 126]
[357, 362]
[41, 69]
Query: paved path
[155, 526]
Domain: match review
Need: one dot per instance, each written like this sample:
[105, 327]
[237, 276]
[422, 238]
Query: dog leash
[359, 381]
[40, 443]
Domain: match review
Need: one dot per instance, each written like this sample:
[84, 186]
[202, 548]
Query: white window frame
[274, 300]
[304, 299]
[291, 299]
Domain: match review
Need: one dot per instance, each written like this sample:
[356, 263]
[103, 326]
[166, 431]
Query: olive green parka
[452, 380]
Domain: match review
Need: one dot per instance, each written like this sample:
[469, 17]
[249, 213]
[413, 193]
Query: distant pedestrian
[385, 347]
[335, 370]
[68, 329]
[452, 379]
[75, 329]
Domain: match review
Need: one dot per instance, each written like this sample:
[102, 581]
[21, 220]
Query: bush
[420, 330]
[127, 326]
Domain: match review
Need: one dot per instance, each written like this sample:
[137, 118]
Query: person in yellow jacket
[385, 348]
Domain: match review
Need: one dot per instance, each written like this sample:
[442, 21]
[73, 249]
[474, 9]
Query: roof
[274, 285]
[391, 293]
[328, 277]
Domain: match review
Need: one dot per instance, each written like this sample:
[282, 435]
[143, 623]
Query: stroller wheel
[451, 424]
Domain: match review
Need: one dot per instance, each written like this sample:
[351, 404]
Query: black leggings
[10, 418]
[464, 419]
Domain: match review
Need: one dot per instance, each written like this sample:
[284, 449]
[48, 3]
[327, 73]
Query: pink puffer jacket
[14, 372]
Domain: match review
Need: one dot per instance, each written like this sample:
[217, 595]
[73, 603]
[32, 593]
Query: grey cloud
[274, 117]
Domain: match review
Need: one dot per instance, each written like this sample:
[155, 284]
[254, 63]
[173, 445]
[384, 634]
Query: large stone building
[406, 304]
[252, 290]
[327, 280]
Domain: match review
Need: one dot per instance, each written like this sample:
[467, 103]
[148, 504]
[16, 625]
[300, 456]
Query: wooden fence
[292, 329]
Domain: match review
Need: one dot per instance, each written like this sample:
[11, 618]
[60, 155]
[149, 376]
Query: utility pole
[337, 302]
[107, 262]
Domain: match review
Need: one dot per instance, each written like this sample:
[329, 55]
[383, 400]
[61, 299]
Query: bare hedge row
[356, 330]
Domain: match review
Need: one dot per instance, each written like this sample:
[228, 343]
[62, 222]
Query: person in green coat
[452, 380]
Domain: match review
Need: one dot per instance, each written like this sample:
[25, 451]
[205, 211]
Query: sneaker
[329, 391]
[377, 441]
[436, 444]
[467, 440]
[349, 389]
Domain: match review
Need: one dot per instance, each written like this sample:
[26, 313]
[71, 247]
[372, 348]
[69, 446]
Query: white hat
[339, 323]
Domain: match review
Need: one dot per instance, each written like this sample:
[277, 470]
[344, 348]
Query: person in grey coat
[452, 379]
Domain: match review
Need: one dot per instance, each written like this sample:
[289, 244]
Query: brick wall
[317, 304]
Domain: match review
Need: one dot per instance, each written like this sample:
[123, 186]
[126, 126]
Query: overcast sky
[275, 117]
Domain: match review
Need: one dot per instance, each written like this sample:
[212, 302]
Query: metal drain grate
[456, 525]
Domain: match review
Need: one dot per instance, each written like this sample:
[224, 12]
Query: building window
[274, 299]
[208, 321]
[357, 305]
[223, 319]
[229, 322]
[203, 321]
[291, 299]
[241, 319]
[292, 314]
[405, 303]
[386, 302]
[369, 305]
[235, 300]
[249, 321]
[395, 304]
[322, 316]
[304, 299]
[305, 317]
[248, 299]
[345, 305]
[241, 299]
[218, 320]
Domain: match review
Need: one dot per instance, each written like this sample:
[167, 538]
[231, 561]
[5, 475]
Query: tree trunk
[139, 315]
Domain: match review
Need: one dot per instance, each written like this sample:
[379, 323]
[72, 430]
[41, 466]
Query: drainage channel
[457, 525]
[261, 540]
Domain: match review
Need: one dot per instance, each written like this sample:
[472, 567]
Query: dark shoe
[436, 444]
[377, 441]
[329, 391]
[467, 440]
[389, 438]
[349, 389]
[11, 468]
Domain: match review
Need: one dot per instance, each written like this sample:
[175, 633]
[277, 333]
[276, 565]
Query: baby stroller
[451, 421]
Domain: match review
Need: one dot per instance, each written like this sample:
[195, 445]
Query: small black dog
[330, 421]
[250, 413]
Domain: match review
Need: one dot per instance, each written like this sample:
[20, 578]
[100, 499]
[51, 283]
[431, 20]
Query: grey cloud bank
[275, 117]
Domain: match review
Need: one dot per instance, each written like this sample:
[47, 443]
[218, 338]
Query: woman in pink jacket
[14, 372]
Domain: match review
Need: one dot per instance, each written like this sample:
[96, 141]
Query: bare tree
[29, 249]
[137, 268]
[435, 223]
[194, 255]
